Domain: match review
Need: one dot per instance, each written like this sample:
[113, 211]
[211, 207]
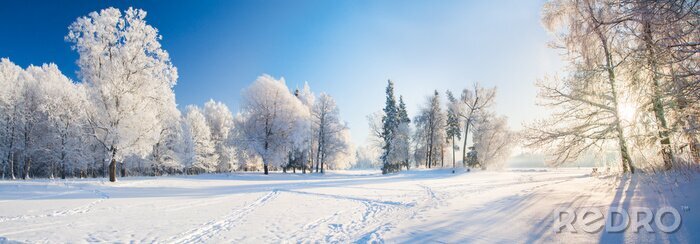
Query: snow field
[339, 207]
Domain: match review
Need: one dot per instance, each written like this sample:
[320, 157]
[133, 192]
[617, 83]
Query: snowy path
[340, 207]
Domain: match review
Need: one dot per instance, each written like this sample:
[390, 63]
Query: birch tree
[587, 103]
[472, 101]
[665, 37]
[430, 123]
[333, 139]
[493, 140]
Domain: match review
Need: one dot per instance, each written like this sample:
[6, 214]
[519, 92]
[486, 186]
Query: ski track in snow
[306, 234]
[60, 213]
[211, 228]
[373, 210]
[379, 217]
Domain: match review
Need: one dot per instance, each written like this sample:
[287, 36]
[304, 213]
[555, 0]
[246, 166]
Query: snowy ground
[350, 206]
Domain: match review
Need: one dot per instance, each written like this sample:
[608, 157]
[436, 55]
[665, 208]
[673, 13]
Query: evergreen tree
[403, 114]
[402, 138]
[390, 123]
[452, 125]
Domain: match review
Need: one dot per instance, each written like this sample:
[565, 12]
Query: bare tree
[430, 124]
[587, 104]
[473, 101]
[326, 120]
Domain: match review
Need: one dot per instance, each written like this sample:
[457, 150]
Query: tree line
[633, 83]
[122, 115]
[436, 132]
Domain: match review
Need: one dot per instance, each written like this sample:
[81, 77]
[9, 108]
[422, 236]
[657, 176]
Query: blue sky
[345, 48]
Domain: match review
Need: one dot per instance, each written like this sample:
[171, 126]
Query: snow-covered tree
[31, 120]
[332, 138]
[493, 140]
[588, 103]
[390, 124]
[660, 61]
[402, 137]
[367, 157]
[430, 130]
[304, 153]
[201, 147]
[220, 120]
[270, 113]
[472, 101]
[246, 158]
[166, 155]
[63, 140]
[126, 71]
[453, 123]
[341, 152]
[12, 78]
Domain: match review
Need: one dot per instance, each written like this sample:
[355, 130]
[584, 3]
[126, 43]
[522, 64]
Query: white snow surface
[418, 206]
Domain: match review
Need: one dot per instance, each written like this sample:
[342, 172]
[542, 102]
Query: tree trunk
[321, 142]
[464, 146]
[27, 165]
[427, 157]
[63, 171]
[10, 154]
[627, 165]
[63, 160]
[427, 154]
[624, 153]
[318, 156]
[313, 163]
[123, 169]
[323, 158]
[11, 159]
[693, 146]
[113, 170]
[52, 167]
[453, 154]
[658, 107]
[265, 168]
[442, 155]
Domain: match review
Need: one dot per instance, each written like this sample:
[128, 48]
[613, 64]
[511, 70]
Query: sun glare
[627, 111]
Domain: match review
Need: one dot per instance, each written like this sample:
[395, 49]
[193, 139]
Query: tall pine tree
[390, 123]
[403, 114]
[402, 139]
[453, 126]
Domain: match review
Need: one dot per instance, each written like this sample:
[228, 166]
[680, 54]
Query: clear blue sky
[345, 48]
